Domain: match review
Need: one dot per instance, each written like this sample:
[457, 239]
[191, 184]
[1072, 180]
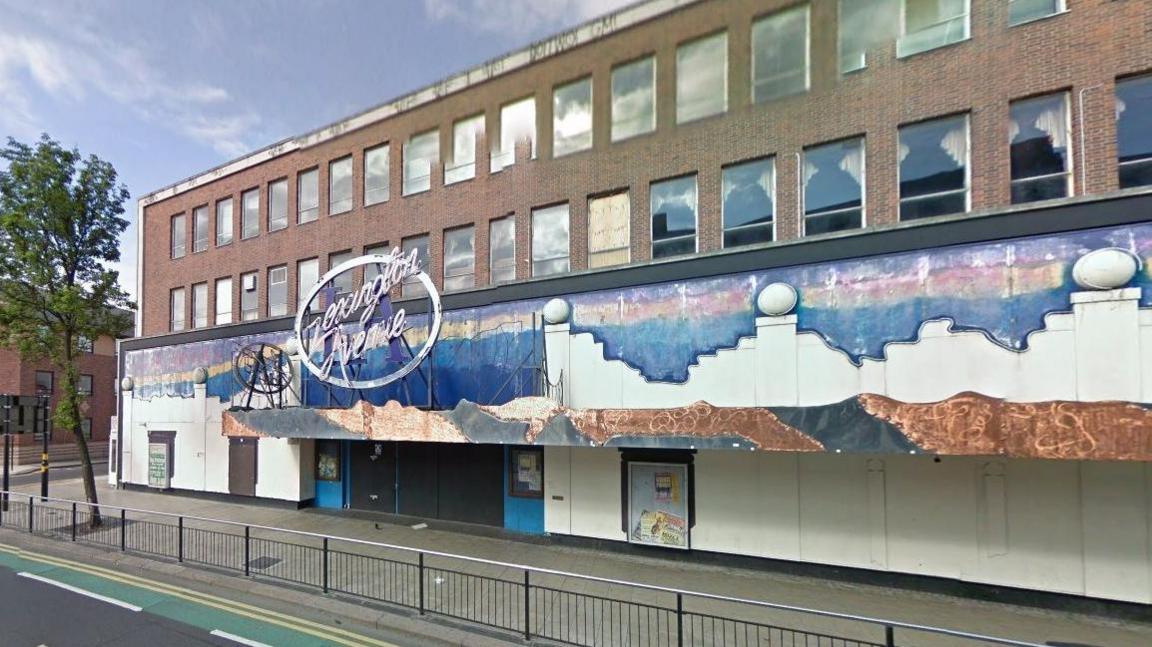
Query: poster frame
[685, 474]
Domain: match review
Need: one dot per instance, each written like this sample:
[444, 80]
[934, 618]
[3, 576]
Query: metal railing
[531, 602]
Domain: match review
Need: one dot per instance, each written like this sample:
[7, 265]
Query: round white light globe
[777, 299]
[1105, 269]
[557, 311]
[289, 346]
[199, 375]
[127, 384]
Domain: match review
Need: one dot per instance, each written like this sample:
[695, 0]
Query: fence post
[73, 521]
[30, 515]
[123, 530]
[421, 583]
[324, 566]
[527, 607]
[889, 636]
[180, 539]
[247, 550]
[680, 619]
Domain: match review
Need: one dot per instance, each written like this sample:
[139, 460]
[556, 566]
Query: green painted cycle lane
[168, 606]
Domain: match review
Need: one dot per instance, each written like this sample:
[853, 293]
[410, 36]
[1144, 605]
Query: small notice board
[658, 504]
[159, 475]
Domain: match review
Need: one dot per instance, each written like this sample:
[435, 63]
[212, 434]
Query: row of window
[45, 383]
[780, 67]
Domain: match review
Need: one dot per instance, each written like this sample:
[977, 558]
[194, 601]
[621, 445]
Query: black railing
[530, 602]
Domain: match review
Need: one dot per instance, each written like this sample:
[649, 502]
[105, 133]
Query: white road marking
[69, 587]
[238, 639]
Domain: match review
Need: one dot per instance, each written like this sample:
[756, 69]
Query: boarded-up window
[609, 230]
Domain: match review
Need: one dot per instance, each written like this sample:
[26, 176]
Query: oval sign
[363, 320]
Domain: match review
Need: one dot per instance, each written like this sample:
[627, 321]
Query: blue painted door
[524, 489]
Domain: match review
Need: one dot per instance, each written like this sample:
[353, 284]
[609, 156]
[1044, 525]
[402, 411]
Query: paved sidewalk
[1007, 621]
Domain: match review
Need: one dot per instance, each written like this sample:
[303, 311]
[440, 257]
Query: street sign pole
[7, 447]
[43, 425]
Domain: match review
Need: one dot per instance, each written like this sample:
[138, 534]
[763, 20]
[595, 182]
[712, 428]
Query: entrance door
[242, 466]
[373, 476]
[418, 476]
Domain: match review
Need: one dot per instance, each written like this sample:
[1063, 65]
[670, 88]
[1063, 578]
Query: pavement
[1019, 623]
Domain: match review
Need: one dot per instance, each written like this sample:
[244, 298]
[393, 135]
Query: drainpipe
[799, 194]
[1083, 146]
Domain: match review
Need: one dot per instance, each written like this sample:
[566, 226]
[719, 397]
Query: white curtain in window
[853, 163]
[1120, 107]
[809, 170]
[955, 143]
[1053, 123]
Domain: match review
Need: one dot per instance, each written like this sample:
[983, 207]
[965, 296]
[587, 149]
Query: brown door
[242, 466]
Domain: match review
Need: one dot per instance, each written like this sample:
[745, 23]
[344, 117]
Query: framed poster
[526, 472]
[658, 504]
[327, 460]
[158, 465]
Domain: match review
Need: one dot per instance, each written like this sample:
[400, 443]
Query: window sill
[338, 213]
[1029, 21]
[907, 55]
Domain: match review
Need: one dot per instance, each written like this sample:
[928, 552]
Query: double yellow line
[315, 629]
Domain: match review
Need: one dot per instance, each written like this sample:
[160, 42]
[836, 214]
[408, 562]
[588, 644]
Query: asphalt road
[100, 471]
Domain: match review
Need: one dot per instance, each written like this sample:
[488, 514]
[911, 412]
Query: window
[176, 315]
[249, 296]
[371, 271]
[420, 154]
[517, 123]
[307, 196]
[550, 240]
[934, 168]
[200, 305]
[634, 99]
[278, 205]
[464, 133]
[834, 187]
[459, 258]
[673, 204]
[1038, 136]
[86, 428]
[862, 26]
[179, 236]
[502, 250]
[1022, 11]
[702, 78]
[44, 382]
[780, 54]
[250, 214]
[84, 344]
[748, 202]
[224, 222]
[929, 24]
[307, 274]
[342, 283]
[609, 228]
[84, 385]
[223, 301]
[340, 186]
[278, 291]
[376, 165]
[200, 227]
[412, 286]
[572, 117]
[1134, 131]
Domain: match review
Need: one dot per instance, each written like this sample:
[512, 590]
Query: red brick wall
[1084, 49]
[18, 377]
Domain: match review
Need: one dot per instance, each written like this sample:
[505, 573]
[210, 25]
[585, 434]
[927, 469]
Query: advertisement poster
[658, 504]
[158, 465]
[527, 473]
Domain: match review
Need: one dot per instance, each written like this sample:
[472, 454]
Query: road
[58, 474]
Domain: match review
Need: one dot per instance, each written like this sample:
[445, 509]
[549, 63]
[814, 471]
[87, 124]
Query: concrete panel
[823, 375]
[942, 364]
[833, 509]
[596, 382]
[1107, 345]
[931, 509]
[278, 469]
[596, 493]
[780, 495]
[558, 490]
[775, 366]
[731, 511]
[1047, 370]
[1116, 559]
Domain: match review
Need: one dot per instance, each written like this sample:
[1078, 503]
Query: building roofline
[558, 43]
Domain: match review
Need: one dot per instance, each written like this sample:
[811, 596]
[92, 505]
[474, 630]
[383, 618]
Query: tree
[59, 225]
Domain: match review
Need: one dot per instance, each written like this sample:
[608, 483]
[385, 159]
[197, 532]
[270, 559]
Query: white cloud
[519, 16]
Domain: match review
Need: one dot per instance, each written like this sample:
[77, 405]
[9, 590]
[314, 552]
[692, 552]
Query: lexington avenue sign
[335, 339]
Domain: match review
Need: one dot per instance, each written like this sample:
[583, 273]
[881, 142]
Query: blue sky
[164, 89]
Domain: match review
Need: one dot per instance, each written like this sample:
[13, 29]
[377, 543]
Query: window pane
[176, 311]
[249, 296]
[517, 123]
[459, 259]
[420, 153]
[1134, 131]
[84, 385]
[702, 78]
[340, 186]
[342, 283]
[934, 162]
[44, 381]
[278, 205]
[550, 240]
[277, 291]
[1039, 147]
[179, 236]
[307, 274]
[376, 167]
[250, 214]
[223, 301]
[412, 287]
[200, 305]
[1024, 10]
[780, 54]
[748, 202]
[863, 26]
[308, 196]
[833, 186]
[673, 204]
[929, 24]
[502, 250]
[572, 117]
[370, 271]
[609, 227]
[634, 99]
[464, 133]
[200, 228]
[224, 222]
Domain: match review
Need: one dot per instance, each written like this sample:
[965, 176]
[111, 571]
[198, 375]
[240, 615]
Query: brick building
[893, 251]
